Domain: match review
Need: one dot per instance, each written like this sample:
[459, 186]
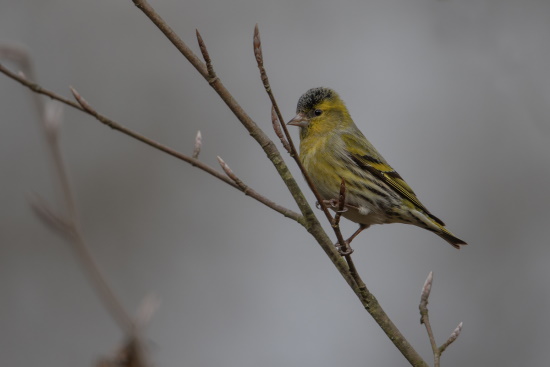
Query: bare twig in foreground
[425, 319]
[86, 108]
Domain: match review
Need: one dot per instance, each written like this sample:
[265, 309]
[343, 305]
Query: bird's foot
[344, 251]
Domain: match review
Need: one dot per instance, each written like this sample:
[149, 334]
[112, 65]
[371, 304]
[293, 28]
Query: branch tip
[454, 335]
[225, 166]
[229, 172]
[206, 57]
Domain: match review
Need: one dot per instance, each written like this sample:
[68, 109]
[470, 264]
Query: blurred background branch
[68, 224]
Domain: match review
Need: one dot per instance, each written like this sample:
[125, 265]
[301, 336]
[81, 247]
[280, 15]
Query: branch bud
[226, 168]
[81, 101]
[426, 289]
[455, 334]
[258, 46]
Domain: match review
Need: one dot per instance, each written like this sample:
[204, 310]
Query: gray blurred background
[454, 93]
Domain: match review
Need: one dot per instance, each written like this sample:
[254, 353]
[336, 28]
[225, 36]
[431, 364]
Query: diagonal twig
[242, 186]
[85, 107]
[346, 250]
[294, 153]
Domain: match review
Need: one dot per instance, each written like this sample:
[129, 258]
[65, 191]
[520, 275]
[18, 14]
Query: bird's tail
[432, 223]
[449, 237]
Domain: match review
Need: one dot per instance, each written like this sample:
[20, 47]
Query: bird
[333, 149]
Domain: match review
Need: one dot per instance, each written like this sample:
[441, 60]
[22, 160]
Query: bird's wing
[379, 168]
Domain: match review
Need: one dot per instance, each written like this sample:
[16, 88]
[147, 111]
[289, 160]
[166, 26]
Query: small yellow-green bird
[333, 149]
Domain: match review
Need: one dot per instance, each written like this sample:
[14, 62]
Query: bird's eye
[317, 112]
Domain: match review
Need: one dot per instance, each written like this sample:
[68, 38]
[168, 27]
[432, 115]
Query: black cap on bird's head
[307, 103]
[313, 97]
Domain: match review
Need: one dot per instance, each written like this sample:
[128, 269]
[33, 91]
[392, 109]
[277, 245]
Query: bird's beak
[299, 120]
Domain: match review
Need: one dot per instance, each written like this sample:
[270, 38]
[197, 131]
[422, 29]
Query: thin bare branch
[425, 319]
[341, 204]
[277, 128]
[345, 250]
[243, 187]
[87, 108]
[23, 79]
[44, 212]
[293, 152]
[257, 42]
[344, 247]
[198, 145]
